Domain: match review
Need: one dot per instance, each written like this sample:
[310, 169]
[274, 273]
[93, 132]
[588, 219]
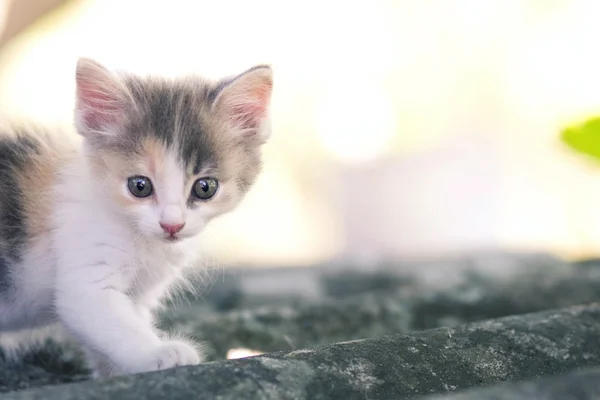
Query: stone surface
[580, 385]
[294, 308]
[398, 366]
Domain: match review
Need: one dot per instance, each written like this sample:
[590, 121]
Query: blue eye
[205, 188]
[139, 186]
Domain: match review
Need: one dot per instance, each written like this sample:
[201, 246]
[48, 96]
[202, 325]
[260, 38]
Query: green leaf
[584, 138]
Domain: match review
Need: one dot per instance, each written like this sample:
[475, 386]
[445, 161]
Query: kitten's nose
[171, 229]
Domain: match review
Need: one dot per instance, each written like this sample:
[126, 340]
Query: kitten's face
[161, 197]
[173, 154]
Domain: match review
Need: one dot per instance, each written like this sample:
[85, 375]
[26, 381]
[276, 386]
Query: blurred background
[402, 128]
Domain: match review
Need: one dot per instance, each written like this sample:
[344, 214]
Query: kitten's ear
[101, 100]
[244, 101]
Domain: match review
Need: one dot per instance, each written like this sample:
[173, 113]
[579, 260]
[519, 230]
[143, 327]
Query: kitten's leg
[100, 365]
[92, 303]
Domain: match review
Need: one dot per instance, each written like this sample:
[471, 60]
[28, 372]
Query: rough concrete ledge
[400, 366]
[580, 385]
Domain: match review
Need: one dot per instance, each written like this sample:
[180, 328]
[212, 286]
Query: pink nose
[171, 229]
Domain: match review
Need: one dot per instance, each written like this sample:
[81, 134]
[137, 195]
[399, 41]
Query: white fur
[102, 279]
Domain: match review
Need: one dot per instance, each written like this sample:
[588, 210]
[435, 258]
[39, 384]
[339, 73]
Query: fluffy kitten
[95, 229]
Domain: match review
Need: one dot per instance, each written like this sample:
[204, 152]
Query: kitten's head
[172, 154]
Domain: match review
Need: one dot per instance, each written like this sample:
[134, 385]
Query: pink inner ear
[248, 113]
[247, 116]
[98, 108]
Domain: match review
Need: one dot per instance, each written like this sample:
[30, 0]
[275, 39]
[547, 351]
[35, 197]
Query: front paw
[170, 354]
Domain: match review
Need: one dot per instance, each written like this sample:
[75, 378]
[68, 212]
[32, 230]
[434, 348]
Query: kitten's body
[29, 163]
[80, 246]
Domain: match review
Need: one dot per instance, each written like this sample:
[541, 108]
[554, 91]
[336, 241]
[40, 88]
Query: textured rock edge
[580, 385]
[441, 360]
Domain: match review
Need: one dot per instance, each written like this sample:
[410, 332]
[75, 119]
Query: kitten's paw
[171, 354]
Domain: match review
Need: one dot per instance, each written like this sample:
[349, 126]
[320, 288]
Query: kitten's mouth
[172, 238]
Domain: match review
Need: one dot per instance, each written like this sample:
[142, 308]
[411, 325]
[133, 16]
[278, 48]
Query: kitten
[96, 229]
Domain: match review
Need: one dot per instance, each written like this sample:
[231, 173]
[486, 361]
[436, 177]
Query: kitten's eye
[205, 188]
[139, 186]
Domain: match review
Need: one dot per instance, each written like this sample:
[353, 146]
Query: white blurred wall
[401, 127]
